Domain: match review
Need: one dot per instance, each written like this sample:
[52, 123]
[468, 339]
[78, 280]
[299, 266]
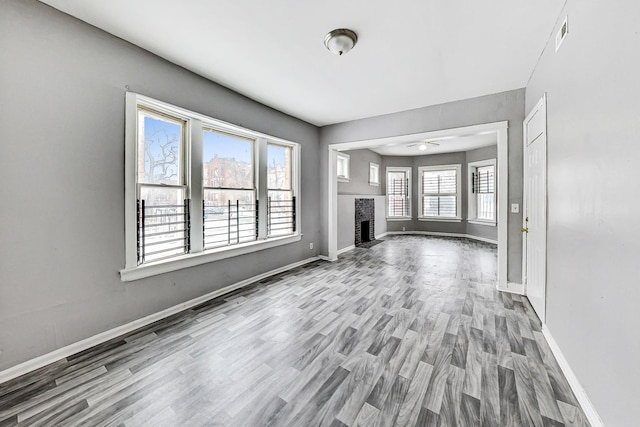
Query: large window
[198, 189]
[482, 191]
[440, 192]
[398, 192]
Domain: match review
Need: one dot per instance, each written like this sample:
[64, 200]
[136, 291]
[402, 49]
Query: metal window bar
[230, 223]
[161, 229]
[281, 216]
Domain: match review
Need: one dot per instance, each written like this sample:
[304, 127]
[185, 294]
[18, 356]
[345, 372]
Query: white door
[535, 207]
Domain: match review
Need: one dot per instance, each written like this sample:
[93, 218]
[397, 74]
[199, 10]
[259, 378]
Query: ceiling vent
[562, 33]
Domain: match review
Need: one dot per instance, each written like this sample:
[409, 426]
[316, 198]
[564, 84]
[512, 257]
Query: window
[199, 189]
[398, 192]
[374, 174]
[162, 208]
[342, 167]
[482, 191]
[281, 208]
[440, 192]
[230, 214]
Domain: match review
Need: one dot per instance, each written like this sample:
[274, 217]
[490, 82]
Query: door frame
[501, 130]
[540, 107]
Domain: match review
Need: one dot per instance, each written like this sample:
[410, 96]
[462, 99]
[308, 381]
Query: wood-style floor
[409, 332]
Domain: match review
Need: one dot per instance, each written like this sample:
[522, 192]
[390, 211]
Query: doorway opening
[497, 128]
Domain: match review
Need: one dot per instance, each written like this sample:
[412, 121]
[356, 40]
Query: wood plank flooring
[408, 332]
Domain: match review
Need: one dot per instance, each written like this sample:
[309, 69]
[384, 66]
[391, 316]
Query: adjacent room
[338, 214]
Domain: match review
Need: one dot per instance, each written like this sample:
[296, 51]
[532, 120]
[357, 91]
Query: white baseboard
[512, 287]
[380, 236]
[578, 390]
[326, 258]
[347, 249]
[61, 353]
[441, 234]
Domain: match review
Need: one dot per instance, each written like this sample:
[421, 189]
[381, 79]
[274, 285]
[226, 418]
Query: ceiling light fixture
[422, 146]
[340, 41]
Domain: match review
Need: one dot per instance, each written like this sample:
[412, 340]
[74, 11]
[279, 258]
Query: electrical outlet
[515, 208]
[311, 245]
[403, 229]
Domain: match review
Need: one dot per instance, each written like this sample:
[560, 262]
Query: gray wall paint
[461, 158]
[346, 218]
[62, 168]
[505, 106]
[593, 125]
[359, 173]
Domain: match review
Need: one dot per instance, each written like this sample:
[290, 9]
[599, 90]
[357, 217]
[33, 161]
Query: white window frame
[408, 171]
[195, 123]
[374, 174]
[346, 161]
[458, 169]
[472, 217]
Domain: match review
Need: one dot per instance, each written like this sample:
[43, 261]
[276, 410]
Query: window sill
[374, 184]
[343, 179]
[440, 219]
[405, 218]
[481, 222]
[191, 260]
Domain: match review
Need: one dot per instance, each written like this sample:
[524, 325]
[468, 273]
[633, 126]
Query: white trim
[61, 353]
[380, 236]
[421, 194]
[396, 218]
[578, 390]
[326, 258]
[193, 259]
[499, 128]
[430, 219]
[512, 288]
[442, 234]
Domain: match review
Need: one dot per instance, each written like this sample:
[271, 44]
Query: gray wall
[505, 106]
[359, 173]
[462, 158]
[62, 172]
[593, 125]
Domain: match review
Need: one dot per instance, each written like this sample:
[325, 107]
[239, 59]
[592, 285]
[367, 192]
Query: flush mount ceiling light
[422, 146]
[340, 41]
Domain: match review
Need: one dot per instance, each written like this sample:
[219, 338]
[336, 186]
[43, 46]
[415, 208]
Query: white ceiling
[445, 145]
[410, 53]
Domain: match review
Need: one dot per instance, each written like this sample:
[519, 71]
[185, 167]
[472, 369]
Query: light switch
[515, 208]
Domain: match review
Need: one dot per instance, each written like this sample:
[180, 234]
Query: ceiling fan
[423, 145]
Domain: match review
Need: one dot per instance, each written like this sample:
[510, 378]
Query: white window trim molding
[347, 159]
[407, 170]
[376, 167]
[458, 169]
[195, 122]
[471, 205]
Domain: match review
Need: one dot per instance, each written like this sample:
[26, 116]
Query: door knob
[524, 230]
